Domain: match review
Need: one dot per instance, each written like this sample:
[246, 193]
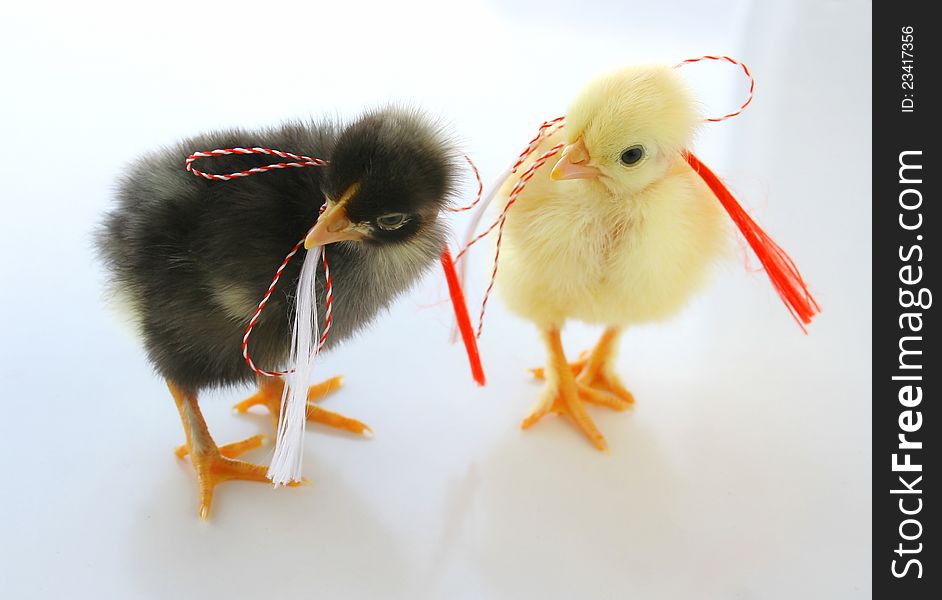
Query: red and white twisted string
[745, 69]
[535, 142]
[300, 161]
[511, 199]
[328, 309]
[521, 183]
[303, 161]
[477, 177]
[499, 223]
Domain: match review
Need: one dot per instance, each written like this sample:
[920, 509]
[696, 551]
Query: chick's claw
[337, 421]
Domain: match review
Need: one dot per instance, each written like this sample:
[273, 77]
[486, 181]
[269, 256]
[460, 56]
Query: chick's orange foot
[269, 395]
[216, 465]
[590, 379]
[597, 386]
[213, 464]
[566, 401]
[595, 377]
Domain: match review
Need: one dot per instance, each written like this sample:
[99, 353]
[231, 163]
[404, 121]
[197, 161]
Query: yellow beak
[334, 225]
[574, 163]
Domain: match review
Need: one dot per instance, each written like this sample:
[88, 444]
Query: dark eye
[391, 221]
[632, 155]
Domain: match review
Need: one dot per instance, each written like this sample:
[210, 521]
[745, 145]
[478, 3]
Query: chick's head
[626, 128]
[391, 172]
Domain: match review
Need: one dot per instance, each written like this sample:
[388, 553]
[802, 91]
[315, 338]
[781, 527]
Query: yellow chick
[621, 231]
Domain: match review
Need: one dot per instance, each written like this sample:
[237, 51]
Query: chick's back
[191, 257]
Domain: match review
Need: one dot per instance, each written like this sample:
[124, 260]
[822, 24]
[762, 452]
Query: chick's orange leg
[599, 371]
[269, 395]
[561, 395]
[596, 379]
[212, 464]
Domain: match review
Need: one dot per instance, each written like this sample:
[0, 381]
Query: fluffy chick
[622, 231]
[191, 258]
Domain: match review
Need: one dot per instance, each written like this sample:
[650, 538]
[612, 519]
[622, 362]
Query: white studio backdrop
[743, 471]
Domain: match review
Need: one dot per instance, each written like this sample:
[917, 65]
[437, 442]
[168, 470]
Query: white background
[743, 471]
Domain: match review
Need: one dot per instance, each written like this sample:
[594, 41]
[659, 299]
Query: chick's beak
[574, 163]
[334, 225]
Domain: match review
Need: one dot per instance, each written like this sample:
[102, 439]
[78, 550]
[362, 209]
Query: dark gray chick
[192, 257]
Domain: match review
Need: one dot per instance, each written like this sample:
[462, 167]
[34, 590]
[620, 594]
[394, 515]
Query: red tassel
[778, 265]
[461, 315]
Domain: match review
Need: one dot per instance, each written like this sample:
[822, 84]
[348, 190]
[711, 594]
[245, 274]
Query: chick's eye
[632, 155]
[391, 221]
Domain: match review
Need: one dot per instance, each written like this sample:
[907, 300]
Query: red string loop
[477, 177]
[745, 69]
[261, 305]
[511, 199]
[300, 161]
[535, 142]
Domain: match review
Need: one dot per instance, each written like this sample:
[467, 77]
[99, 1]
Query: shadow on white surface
[260, 542]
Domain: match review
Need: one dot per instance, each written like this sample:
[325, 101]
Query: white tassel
[285, 465]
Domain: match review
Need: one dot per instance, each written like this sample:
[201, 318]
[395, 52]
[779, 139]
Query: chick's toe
[562, 393]
[212, 464]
